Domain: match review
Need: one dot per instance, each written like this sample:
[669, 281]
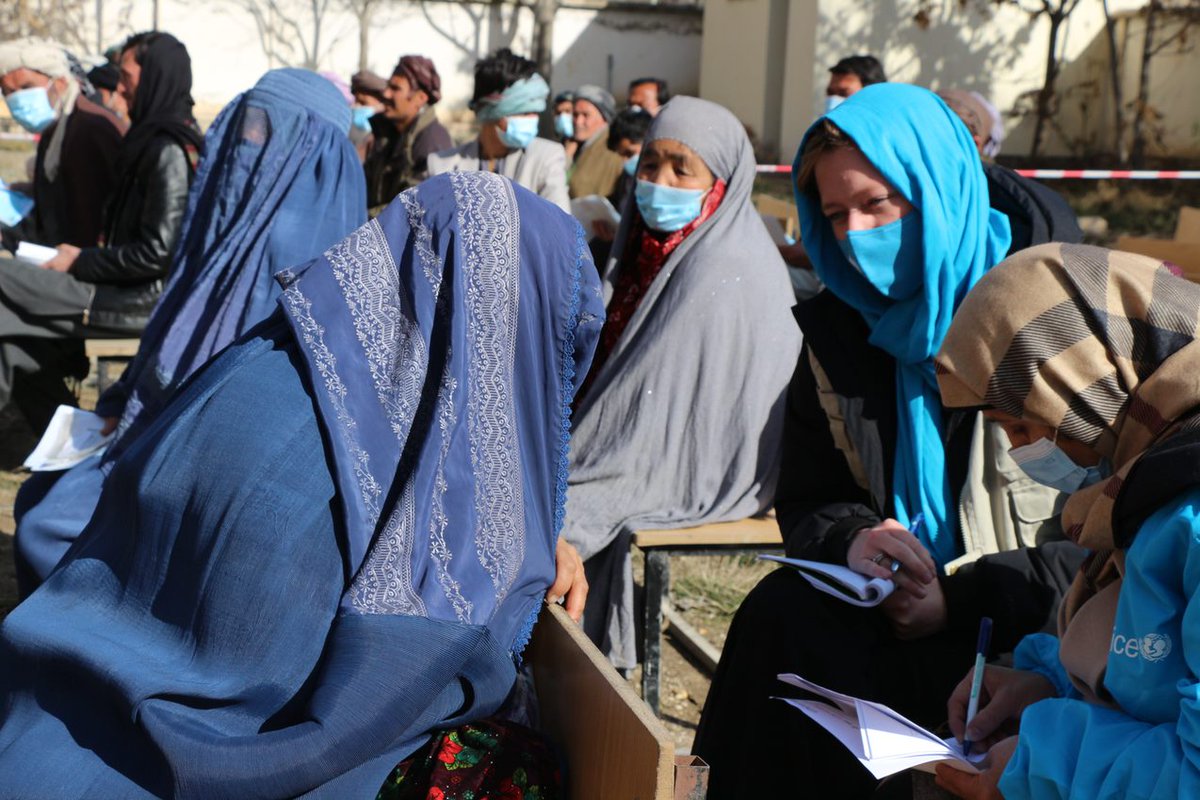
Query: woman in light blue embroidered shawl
[279, 183]
[337, 536]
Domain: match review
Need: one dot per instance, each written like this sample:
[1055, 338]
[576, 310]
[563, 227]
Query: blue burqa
[280, 182]
[336, 537]
[926, 153]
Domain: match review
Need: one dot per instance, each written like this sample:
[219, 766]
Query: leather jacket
[143, 226]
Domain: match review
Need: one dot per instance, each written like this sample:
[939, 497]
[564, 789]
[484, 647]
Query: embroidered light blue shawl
[925, 151]
[445, 341]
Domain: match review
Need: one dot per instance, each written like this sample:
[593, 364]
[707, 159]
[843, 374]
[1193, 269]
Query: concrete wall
[997, 50]
[228, 55]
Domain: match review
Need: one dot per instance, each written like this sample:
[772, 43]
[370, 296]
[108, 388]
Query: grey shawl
[541, 167]
[683, 423]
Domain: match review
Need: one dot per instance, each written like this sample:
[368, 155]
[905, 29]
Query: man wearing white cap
[75, 169]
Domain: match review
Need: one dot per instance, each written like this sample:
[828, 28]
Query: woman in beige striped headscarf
[1089, 359]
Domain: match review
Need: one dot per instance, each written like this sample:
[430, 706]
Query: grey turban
[599, 98]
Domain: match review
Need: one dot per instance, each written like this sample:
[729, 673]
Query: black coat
[143, 226]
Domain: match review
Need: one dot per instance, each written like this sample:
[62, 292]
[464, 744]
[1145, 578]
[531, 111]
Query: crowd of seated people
[389, 398]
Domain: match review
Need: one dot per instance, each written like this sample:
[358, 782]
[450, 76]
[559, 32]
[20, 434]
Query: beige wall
[998, 50]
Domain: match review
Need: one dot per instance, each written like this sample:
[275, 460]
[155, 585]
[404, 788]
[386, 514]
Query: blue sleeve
[1148, 747]
[1038, 652]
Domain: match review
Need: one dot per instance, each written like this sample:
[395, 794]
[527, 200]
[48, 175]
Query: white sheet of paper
[73, 436]
[594, 208]
[884, 741]
[34, 254]
[775, 230]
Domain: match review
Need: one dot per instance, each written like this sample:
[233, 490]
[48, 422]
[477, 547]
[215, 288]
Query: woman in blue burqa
[336, 537]
[279, 184]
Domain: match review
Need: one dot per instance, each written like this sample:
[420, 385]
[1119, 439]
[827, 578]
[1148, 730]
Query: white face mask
[833, 101]
[1045, 462]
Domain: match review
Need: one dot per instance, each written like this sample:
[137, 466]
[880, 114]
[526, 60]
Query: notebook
[840, 582]
[883, 741]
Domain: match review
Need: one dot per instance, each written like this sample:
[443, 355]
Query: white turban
[49, 58]
[32, 52]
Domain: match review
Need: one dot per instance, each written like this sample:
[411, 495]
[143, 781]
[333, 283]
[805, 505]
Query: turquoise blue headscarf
[526, 96]
[926, 153]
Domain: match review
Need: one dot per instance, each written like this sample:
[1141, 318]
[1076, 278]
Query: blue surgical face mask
[519, 133]
[833, 101]
[1046, 463]
[890, 256]
[362, 117]
[564, 125]
[665, 208]
[31, 109]
[631, 166]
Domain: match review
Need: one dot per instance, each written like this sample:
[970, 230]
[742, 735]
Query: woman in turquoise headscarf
[876, 475]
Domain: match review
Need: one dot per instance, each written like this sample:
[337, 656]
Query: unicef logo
[1155, 646]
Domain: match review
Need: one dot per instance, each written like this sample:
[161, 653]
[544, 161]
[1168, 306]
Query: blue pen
[981, 648]
[913, 528]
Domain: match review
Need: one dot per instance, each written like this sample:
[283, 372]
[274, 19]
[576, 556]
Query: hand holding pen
[889, 550]
[1002, 695]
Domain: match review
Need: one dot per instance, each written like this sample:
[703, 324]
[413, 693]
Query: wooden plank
[682, 631]
[1188, 227]
[751, 532]
[111, 348]
[614, 746]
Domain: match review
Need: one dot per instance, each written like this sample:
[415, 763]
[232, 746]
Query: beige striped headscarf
[1097, 344]
[1102, 346]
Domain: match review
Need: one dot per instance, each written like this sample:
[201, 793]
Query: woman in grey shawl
[680, 420]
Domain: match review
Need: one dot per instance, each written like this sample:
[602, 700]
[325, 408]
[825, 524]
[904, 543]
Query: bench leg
[658, 580]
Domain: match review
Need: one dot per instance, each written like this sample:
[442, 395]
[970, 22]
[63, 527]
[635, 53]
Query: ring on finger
[885, 561]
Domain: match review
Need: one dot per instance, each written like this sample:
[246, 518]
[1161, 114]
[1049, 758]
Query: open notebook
[841, 582]
[884, 741]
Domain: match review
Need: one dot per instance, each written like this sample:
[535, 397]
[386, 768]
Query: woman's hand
[985, 785]
[569, 579]
[110, 425]
[1003, 696]
[67, 253]
[890, 541]
[914, 617]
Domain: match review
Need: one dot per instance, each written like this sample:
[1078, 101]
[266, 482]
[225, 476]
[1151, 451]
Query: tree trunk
[1115, 71]
[364, 36]
[1046, 95]
[1141, 107]
[543, 37]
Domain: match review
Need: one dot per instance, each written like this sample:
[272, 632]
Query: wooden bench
[106, 353]
[724, 538]
[614, 746]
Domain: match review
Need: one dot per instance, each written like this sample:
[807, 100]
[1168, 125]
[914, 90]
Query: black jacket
[143, 226]
[1036, 213]
[819, 504]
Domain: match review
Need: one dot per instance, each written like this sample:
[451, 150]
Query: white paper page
[775, 230]
[594, 208]
[885, 741]
[34, 254]
[72, 437]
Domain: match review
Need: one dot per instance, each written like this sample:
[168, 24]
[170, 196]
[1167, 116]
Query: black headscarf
[162, 103]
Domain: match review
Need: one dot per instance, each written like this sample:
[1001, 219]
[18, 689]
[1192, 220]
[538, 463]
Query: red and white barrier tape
[16, 137]
[1058, 174]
